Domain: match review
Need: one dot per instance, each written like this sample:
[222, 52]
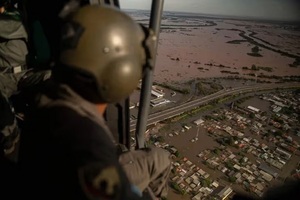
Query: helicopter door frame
[147, 81]
[120, 112]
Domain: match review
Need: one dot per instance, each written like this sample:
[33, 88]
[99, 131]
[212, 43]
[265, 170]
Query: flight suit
[66, 129]
[13, 52]
[149, 167]
[14, 75]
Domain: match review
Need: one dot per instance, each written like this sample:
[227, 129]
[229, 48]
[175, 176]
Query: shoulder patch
[98, 182]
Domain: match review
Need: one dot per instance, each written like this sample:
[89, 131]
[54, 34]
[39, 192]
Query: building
[158, 102]
[198, 196]
[154, 91]
[222, 192]
[289, 148]
[265, 176]
[157, 92]
[253, 109]
[264, 167]
[187, 127]
[283, 153]
[215, 184]
[198, 122]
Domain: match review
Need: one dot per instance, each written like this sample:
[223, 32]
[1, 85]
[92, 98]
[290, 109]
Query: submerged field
[192, 46]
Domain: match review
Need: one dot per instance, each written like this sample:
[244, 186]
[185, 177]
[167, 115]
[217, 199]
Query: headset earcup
[119, 78]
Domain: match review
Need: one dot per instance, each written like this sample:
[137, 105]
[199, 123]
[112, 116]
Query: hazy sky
[267, 9]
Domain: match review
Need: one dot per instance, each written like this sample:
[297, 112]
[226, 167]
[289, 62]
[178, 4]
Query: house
[224, 170]
[194, 177]
[188, 180]
[258, 192]
[256, 173]
[237, 167]
[192, 185]
[187, 127]
[266, 176]
[260, 187]
[238, 175]
[197, 196]
[253, 109]
[251, 178]
[173, 150]
[222, 192]
[246, 140]
[175, 178]
[196, 182]
[231, 173]
[182, 186]
[198, 122]
[188, 189]
[283, 153]
[179, 181]
[201, 172]
[189, 163]
[215, 184]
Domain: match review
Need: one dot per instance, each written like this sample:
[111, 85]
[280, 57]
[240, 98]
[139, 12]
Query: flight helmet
[102, 53]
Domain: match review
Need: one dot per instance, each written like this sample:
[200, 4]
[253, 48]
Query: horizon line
[224, 15]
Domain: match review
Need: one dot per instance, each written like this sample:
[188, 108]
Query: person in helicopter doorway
[66, 145]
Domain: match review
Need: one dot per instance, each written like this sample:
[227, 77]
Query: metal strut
[154, 25]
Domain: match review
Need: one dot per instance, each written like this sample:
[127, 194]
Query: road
[174, 111]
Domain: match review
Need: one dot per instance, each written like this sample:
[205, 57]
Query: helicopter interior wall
[45, 13]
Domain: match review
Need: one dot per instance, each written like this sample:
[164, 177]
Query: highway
[174, 111]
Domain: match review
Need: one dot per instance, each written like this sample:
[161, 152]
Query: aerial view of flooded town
[225, 103]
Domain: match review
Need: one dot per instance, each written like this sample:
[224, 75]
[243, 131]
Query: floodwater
[201, 51]
[262, 105]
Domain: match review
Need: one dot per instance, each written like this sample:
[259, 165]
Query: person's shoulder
[63, 116]
[69, 123]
